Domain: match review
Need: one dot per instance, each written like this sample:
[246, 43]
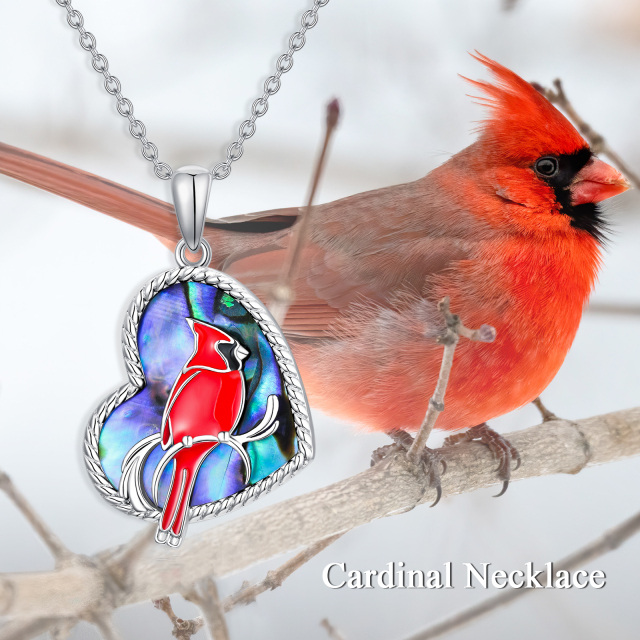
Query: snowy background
[192, 70]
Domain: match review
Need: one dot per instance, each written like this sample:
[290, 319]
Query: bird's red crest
[523, 125]
[206, 352]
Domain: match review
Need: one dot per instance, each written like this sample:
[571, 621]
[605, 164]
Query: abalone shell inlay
[165, 343]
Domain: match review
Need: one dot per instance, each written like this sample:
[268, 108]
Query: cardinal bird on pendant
[207, 398]
[203, 409]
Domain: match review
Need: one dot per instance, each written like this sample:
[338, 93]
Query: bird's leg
[430, 460]
[503, 451]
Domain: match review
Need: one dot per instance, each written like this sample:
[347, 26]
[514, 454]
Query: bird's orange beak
[597, 181]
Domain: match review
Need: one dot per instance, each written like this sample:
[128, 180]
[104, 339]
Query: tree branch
[332, 632]
[122, 562]
[182, 629]
[596, 140]
[547, 414]
[454, 330]
[105, 625]
[377, 492]
[274, 579]
[609, 541]
[282, 292]
[23, 629]
[61, 630]
[51, 541]
[205, 595]
[614, 309]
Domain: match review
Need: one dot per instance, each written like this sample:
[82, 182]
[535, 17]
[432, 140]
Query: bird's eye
[547, 167]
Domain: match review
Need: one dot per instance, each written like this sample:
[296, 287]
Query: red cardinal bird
[207, 398]
[509, 229]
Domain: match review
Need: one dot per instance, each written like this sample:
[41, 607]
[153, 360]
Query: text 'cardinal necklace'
[214, 412]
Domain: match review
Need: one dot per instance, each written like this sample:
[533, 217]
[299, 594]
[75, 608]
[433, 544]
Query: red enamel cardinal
[203, 410]
[206, 399]
[509, 229]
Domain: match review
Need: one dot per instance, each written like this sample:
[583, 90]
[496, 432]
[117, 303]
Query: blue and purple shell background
[165, 343]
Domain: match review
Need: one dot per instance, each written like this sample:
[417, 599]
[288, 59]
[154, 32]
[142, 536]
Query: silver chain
[247, 128]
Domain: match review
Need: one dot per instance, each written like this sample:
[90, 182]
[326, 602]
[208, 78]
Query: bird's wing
[178, 387]
[369, 247]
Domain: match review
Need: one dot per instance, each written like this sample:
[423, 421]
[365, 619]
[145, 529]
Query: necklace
[214, 412]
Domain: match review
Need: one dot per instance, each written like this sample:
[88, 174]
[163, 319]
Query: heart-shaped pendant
[214, 412]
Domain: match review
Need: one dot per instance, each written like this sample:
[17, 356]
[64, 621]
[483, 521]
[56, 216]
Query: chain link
[247, 128]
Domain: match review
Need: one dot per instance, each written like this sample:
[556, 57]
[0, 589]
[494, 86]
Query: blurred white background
[192, 70]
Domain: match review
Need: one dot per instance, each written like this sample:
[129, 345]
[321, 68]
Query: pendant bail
[190, 187]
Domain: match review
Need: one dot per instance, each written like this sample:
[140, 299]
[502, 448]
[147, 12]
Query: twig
[122, 563]
[182, 629]
[62, 629]
[50, 539]
[609, 541]
[274, 579]
[332, 632]
[453, 331]
[379, 491]
[544, 412]
[596, 140]
[24, 629]
[111, 579]
[105, 625]
[282, 293]
[614, 309]
[206, 596]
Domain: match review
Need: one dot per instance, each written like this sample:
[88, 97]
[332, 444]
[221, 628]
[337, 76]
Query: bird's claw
[504, 452]
[430, 461]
